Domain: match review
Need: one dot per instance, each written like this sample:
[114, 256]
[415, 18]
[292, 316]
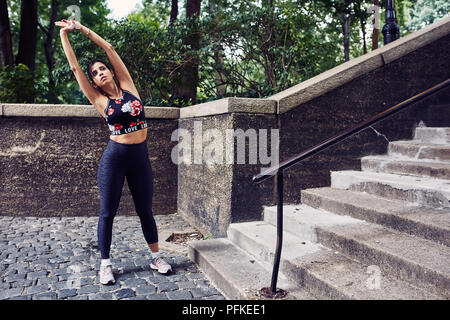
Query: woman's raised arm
[121, 71]
[92, 94]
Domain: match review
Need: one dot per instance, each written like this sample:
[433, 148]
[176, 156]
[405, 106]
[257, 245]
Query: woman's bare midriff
[131, 138]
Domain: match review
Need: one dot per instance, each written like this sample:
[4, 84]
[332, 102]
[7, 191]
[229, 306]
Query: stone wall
[49, 156]
[211, 196]
[324, 106]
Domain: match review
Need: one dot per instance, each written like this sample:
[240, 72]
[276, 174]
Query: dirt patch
[183, 238]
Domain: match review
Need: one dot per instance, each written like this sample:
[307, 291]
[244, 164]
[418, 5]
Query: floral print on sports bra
[125, 114]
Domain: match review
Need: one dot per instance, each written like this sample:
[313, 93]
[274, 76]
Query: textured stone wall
[211, 196]
[48, 164]
[357, 100]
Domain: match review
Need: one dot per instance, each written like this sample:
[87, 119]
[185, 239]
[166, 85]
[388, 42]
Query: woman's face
[101, 74]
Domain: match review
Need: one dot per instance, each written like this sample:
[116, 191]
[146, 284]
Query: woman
[126, 154]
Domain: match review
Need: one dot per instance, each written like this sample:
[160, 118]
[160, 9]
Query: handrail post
[272, 292]
[279, 246]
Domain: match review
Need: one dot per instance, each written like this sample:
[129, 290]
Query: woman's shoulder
[131, 89]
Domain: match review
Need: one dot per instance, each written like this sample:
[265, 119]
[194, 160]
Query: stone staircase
[379, 233]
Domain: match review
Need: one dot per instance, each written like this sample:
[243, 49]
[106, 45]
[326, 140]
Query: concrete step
[301, 221]
[429, 223]
[331, 275]
[418, 190]
[323, 272]
[418, 261]
[418, 150]
[237, 274]
[422, 263]
[259, 239]
[433, 135]
[389, 164]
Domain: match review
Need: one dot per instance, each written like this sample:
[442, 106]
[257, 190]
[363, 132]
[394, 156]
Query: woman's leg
[110, 179]
[140, 183]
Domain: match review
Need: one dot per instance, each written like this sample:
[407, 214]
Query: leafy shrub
[16, 84]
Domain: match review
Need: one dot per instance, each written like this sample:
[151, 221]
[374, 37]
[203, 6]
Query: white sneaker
[106, 275]
[160, 265]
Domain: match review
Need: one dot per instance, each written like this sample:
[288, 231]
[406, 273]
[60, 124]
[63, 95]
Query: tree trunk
[49, 49]
[185, 88]
[221, 88]
[363, 30]
[191, 69]
[28, 34]
[375, 30]
[269, 42]
[346, 32]
[6, 54]
[174, 11]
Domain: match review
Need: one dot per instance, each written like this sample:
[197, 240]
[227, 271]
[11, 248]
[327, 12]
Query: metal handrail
[278, 169]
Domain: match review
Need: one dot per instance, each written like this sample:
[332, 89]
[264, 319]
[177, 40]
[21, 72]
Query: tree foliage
[47, 68]
[246, 48]
[424, 12]
[16, 84]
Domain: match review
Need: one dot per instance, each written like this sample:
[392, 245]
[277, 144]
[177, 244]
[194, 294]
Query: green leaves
[425, 12]
[248, 48]
[16, 84]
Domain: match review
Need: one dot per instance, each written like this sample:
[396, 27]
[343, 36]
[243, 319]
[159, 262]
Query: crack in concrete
[379, 134]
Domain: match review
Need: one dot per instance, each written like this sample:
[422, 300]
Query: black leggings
[117, 162]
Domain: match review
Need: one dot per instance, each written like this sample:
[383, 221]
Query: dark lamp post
[391, 31]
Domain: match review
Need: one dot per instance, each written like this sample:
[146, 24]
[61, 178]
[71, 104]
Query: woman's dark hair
[89, 71]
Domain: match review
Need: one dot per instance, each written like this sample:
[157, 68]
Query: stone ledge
[339, 75]
[70, 110]
[162, 112]
[229, 105]
[226, 105]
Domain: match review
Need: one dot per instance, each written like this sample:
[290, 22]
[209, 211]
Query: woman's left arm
[124, 77]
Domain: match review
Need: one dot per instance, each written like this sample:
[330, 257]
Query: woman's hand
[68, 25]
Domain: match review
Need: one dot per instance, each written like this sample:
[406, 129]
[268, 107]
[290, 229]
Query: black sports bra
[125, 114]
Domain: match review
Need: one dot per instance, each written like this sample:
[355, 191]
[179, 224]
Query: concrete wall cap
[229, 105]
[70, 110]
[226, 105]
[341, 74]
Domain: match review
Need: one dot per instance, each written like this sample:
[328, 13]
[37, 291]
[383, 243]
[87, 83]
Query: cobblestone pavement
[58, 258]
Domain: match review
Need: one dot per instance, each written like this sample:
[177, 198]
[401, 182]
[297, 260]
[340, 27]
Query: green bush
[16, 84]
